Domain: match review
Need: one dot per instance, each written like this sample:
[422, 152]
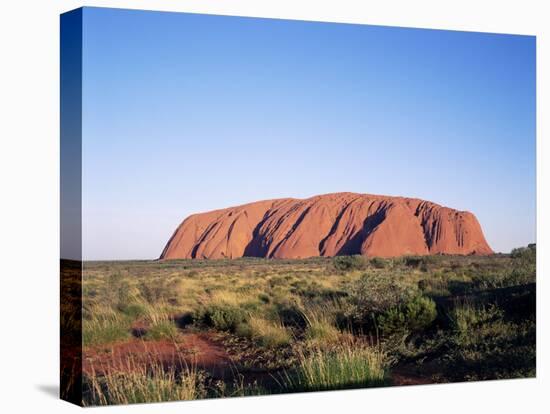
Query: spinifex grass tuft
[139, 383]
[104, 325]
[320, 328]
[160, 324]
[269, 333]
[350, 365]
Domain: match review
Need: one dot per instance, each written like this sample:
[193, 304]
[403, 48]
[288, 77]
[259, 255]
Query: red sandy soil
[200, 350]
[328, 225]
[410, 375]
[203, 351]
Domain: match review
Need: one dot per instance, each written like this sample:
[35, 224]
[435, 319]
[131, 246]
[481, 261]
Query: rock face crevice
[328, 225]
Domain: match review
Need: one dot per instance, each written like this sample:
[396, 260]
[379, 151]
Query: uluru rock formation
[328, 225]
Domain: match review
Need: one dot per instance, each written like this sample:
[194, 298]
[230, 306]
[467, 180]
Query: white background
[29, 203]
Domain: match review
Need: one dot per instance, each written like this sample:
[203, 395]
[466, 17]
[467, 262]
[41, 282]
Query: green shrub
[223, 317]
[243, 329]
[376, 293]
[420, 312]
[527, 254]
[349, 263]
[435, 286]
[413, 261]
[291, 314]
[378, 262]
[518, 275]
[466, 318]
[414, 316]
[484, 345]
[422, 262]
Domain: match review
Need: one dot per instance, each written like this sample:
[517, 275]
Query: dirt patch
[199, 350]
[411, 374]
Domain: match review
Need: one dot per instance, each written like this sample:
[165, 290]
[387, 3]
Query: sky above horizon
[184, 113]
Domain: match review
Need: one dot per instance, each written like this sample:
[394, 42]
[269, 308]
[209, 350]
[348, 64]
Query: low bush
[349, 263]
[526, 254]
[378, 262]
[435, 286]
[291, 314]
[485, 345]
[413, 261]
[414, 316]
[510, 277]
[222, 317]
[467, 318]
[419, 262]
[375, 293]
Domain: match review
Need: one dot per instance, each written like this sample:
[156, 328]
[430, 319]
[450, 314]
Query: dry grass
[138, 383]
[349, 365]
[269, 333]
[308, 317]
[104, 325]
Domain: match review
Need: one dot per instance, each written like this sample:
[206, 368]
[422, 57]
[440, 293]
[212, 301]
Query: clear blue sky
[184, 113]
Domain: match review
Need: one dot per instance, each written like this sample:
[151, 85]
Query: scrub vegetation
[188, 329]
